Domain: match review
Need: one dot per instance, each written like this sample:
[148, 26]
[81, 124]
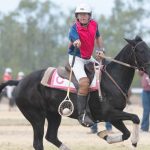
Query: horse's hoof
[63, 147]
[102, 134]
[134, 144]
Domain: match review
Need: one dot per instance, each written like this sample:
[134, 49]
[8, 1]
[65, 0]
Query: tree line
[35, 34]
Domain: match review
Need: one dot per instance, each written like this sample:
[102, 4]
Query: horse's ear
[131, 42]
[138, 38]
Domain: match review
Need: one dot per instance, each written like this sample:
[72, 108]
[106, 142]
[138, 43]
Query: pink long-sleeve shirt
[145, 82]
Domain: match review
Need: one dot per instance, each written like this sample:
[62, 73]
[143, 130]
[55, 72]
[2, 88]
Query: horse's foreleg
[116, 116]
[63, 147]
[109, 138]
[115, 138]
[136, 121]
[126, 134]
[54, 120]
[135, 135]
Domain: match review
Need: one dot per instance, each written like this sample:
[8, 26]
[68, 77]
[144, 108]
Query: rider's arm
[99, 41]
[100, 46]
[74, 37]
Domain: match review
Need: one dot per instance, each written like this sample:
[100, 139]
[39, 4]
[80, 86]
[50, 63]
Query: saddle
[64, 72]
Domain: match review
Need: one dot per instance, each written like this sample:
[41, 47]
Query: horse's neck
[121, 74]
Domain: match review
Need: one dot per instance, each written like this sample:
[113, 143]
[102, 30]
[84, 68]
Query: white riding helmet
[20, 74]
[8, 70]
[83, 8]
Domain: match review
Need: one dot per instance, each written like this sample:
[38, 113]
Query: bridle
[135, 58]
[137, 66]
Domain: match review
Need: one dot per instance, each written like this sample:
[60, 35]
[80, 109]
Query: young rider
[83, 34]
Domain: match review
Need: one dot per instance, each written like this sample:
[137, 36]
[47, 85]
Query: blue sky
[98, 6]
[8, 5]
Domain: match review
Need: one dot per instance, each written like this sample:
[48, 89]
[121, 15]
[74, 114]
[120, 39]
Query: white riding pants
[78, 67]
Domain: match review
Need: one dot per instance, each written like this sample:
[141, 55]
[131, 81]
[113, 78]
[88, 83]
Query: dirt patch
[16, 133]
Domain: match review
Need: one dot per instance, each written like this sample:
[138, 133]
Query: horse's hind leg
[37, 120]
[54, 120]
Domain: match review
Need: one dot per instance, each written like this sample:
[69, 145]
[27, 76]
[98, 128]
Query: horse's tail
[8, 83]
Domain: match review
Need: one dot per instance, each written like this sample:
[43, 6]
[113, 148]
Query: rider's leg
[81, 76]
[83, 118]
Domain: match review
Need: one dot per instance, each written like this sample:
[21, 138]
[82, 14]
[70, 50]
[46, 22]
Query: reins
[120, 62]
[110, 77]
[123, 93]
[124, 64]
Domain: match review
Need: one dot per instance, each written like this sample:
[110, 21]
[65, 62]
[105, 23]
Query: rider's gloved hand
[100, 54]
[77, 43]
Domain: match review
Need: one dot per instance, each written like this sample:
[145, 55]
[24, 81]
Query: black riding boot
[83, 117]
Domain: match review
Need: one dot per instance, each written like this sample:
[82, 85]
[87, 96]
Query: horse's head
[141, 54]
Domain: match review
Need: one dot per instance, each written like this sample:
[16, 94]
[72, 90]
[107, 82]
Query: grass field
[16, 133]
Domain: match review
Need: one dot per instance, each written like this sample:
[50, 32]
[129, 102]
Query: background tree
[35, 35]
[126, 21]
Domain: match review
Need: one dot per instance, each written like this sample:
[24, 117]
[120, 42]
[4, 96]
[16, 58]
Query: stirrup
[85, 120]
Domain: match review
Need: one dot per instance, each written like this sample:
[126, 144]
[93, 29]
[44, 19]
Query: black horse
[38, 102]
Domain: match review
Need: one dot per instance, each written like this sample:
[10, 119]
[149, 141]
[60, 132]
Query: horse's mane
[115, 70]
[124, 55]
[125, 51]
